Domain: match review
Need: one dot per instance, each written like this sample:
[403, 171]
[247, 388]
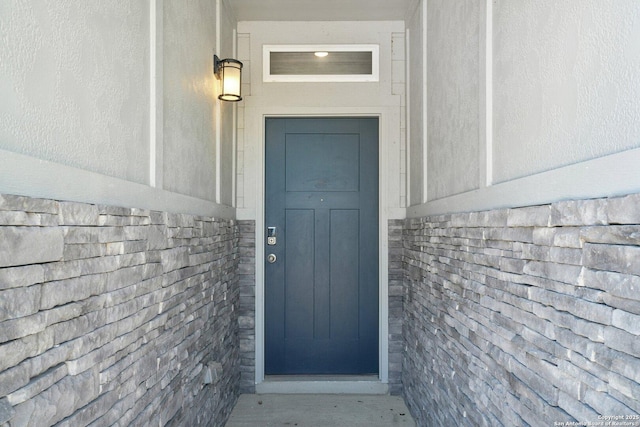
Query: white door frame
[255, 131]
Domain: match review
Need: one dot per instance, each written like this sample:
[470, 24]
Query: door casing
[259, 114]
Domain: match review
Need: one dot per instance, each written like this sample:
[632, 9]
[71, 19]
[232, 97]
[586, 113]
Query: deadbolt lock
[271, 236]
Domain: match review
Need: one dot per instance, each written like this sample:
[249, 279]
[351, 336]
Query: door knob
[271, 258]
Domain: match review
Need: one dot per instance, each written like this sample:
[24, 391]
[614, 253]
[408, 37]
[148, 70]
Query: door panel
[321, 294]
[322, 162]
[345, 271]
[299, 270]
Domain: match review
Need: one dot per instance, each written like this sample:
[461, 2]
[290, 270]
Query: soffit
[321, 10]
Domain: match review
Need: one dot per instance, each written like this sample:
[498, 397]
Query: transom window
[320, 63]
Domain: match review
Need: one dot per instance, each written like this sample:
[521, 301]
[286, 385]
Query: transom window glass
[317, 63]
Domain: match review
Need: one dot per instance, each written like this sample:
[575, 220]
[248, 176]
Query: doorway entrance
[322, 238]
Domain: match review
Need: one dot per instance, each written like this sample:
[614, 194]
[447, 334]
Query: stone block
[110, 234]
[37, 385]
[514, 234]
[89, 413]
[626, 321]
[625, 387]
[533, 252]
[568, 237]
[89, 360]
[624, 210]
[542, 387]
[593, 331]
[30, 245]
[534, 216]
[612, 235]
[27, 219]
[58, 401]
[559, 272]
[22, 327]
[512, 265]
[72, 213]
[99, 265]
[16, 351]
[69, 290]
[13, 378]
[6, 411]
[23, 276]
[81, 234]
[625, 365]
[603, 403]
[174, 259]
[494, 218]
[156, 237]
[621, 340]
[618, 258]
[564, 255]
[578, 410]
[19, 302]
[629, 305]
[624, 286]
[543, 236]
[10, 202]
[580, 308]
[62, 270]
[132, 233]
[578, 213]
[246, 322]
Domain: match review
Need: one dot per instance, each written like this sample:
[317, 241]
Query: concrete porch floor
[317, 410]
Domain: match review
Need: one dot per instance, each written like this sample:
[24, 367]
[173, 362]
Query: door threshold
[322, 384]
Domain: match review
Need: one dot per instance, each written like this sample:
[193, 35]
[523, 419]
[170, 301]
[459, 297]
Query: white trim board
[322, 385]
[27, 176]
[614, 175]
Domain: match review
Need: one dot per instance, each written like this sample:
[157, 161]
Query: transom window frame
[267, 77]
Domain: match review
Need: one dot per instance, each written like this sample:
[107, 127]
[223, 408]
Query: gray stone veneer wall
[247, 311]
[524, 316]
[396, 306]
[115, 316]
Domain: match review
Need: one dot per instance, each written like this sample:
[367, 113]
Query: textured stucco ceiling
[320, 10]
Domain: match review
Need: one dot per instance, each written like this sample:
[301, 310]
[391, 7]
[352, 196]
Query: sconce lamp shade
[229, 72]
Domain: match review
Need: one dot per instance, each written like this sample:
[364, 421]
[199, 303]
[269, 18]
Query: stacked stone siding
[524, 316]
[247, 311]
[396, 306]
[115, 316]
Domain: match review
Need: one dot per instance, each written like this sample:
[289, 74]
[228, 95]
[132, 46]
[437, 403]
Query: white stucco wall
[452, 97]
[190, 98]
[416, 105]
[74, 84]
[115, 103]
[529, 102]
[567, 83]
[227, 137]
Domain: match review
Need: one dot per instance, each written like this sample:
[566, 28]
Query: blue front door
[321, 284]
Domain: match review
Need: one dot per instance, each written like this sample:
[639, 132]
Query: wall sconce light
[229, 72]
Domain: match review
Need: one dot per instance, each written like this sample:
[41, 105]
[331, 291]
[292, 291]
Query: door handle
[271, 258]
